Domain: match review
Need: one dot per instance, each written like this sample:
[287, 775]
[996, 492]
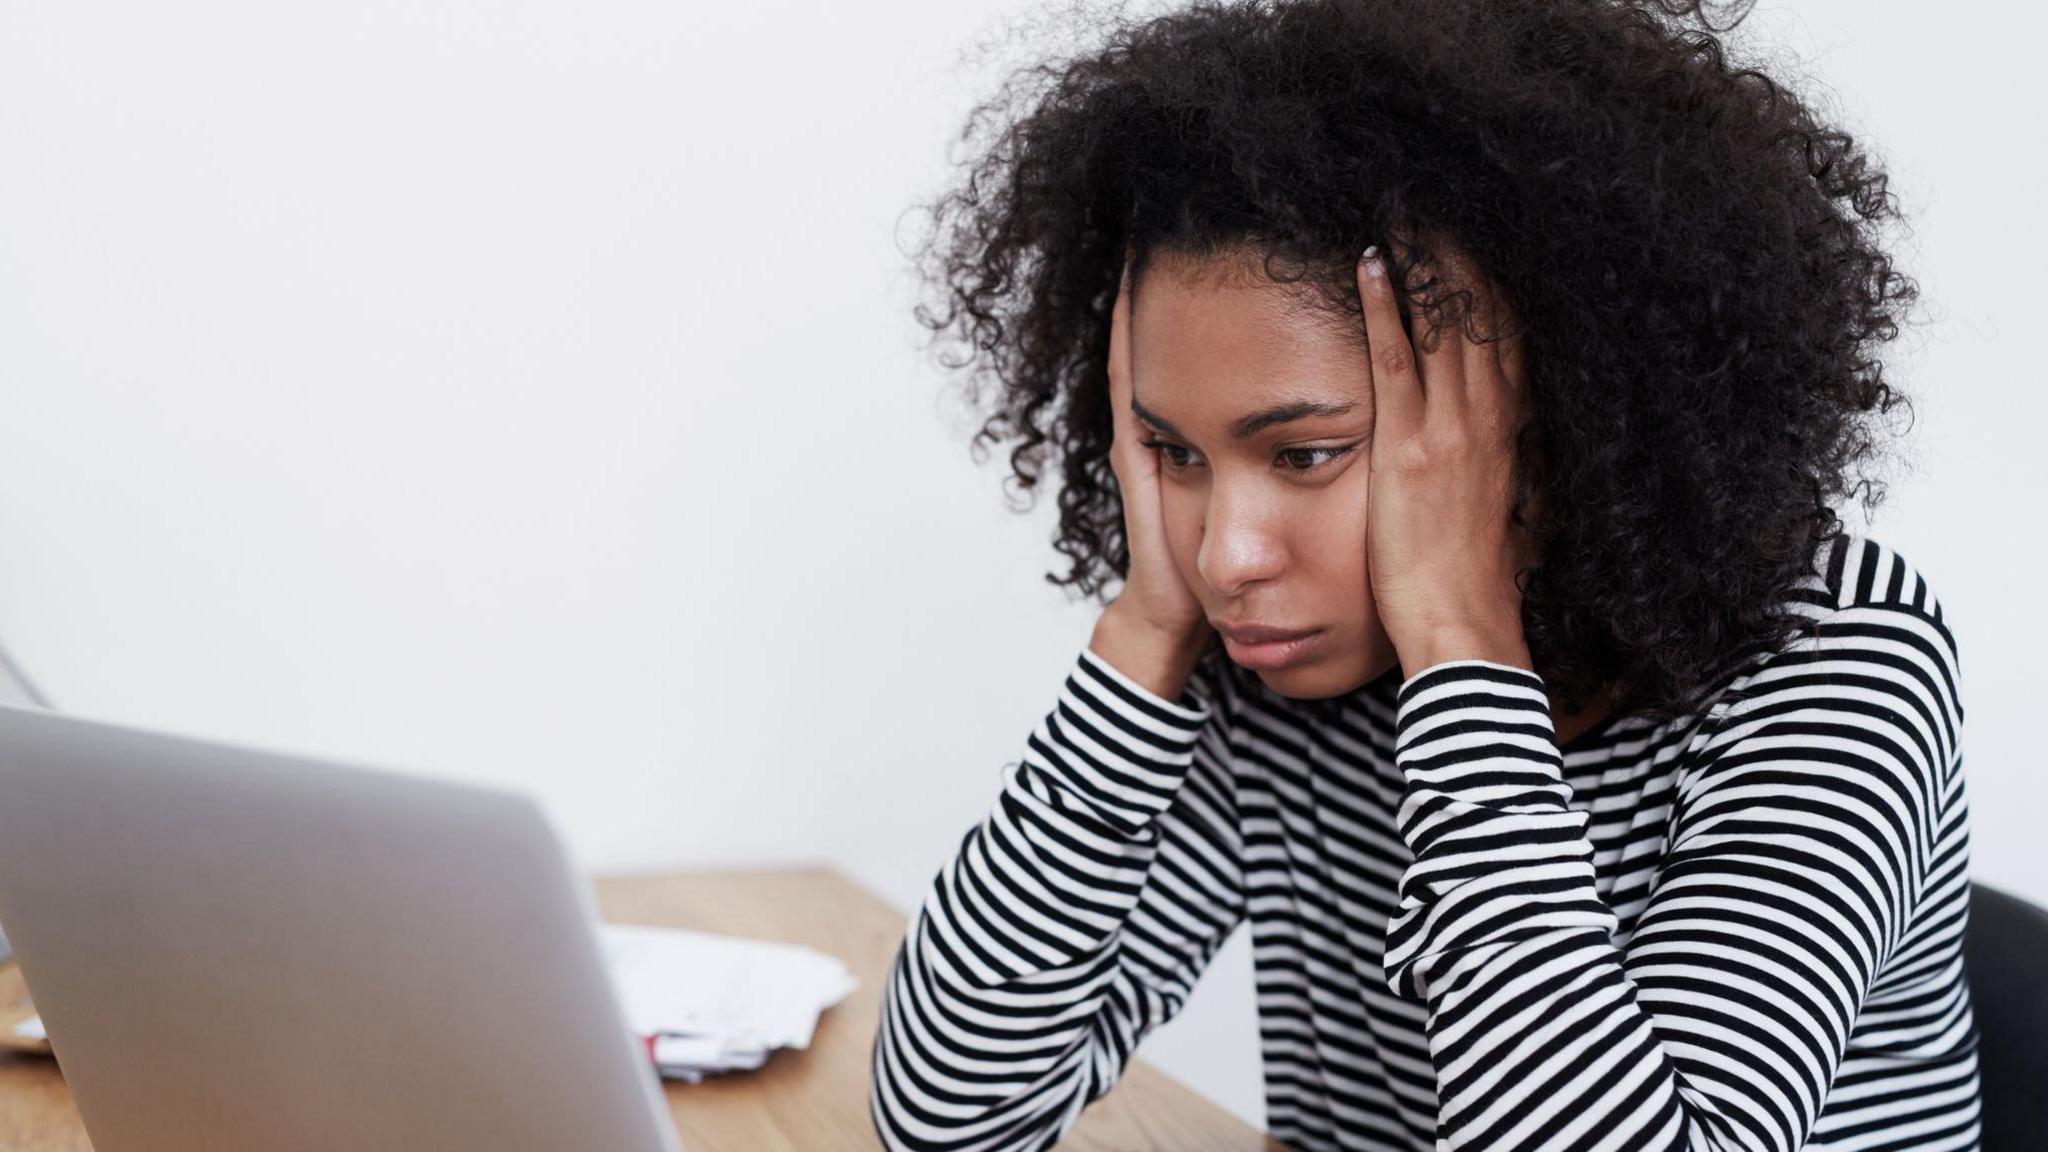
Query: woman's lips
[1265, 649]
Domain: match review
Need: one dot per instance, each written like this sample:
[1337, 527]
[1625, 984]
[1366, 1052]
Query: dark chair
[2005, 954]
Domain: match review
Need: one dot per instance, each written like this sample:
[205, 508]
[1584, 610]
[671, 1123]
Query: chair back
[2005, 955]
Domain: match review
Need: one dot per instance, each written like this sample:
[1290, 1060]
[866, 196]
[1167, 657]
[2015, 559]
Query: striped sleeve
[1073, 920]
[1800, 852]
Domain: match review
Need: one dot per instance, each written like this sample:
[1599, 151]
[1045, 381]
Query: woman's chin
[1322, 679]
[1307, 682]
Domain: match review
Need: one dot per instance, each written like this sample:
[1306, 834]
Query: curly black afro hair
[1696, 259]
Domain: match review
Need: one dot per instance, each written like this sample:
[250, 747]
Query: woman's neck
[1570, 726]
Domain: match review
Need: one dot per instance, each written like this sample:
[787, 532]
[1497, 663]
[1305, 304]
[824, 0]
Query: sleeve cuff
[1500, 856]
[1473, 697]
[1137, 702]
[1491, 670]
[1115, 745]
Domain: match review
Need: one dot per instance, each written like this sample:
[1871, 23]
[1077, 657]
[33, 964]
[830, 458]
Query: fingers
[1120, 354]
[1120, 346]
[1514, 365]
[1126, 455]
[1443, 363]
[1396, 379]
[1462, 379]
[1493, 368]
[1482, 357]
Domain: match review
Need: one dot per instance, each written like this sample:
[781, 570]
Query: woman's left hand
[1442, 552]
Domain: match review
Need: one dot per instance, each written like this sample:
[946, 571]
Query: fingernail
[1372, 261]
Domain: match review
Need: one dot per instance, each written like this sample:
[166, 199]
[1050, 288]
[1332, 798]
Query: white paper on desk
[742, 993]
[705, 1053]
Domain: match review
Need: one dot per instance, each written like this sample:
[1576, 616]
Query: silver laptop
[16, 688]
[236, 950]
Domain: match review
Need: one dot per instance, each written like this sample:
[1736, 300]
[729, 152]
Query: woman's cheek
[1353, 496]
[1185, 517]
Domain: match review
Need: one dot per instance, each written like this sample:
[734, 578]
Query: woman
[1585, 783]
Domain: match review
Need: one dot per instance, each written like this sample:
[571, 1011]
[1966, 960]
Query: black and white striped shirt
[1740, 930]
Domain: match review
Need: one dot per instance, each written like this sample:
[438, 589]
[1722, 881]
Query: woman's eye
[1176, 457]
[1306, 459]
[1166, 450]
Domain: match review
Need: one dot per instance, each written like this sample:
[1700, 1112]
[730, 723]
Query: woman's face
[1264, 412]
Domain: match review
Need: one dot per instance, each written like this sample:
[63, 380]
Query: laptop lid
[240, 949]
[16, 688]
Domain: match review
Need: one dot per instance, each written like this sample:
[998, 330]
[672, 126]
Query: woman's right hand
[1159, 622]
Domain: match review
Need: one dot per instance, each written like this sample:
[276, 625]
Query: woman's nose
[1238, 548]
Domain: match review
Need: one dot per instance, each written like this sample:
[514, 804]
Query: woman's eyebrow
[1248, 426]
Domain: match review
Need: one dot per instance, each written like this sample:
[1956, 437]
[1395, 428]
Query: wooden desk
[813, 1100]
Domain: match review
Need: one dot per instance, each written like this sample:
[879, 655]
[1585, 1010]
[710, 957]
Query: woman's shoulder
[1856, 583]
[1864, 606]
[1855, 569]
[1873, 616]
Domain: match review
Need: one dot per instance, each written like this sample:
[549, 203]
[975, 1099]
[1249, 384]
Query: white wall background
[527, 392]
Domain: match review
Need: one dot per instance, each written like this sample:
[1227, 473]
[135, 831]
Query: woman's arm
[1807, 838]
[1074, 919]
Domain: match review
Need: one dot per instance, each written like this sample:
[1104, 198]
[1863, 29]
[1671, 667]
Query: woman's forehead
[1218, 349]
